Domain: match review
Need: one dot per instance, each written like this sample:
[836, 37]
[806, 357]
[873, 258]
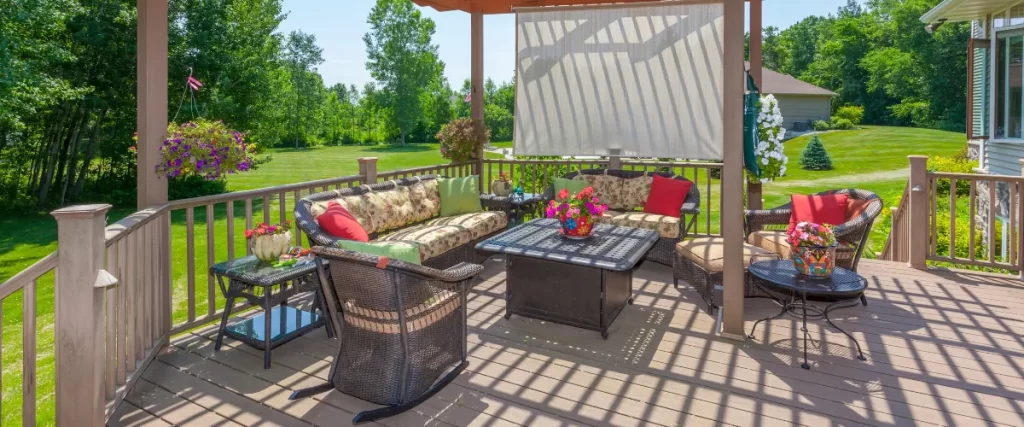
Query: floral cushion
[426, 200]
[391, 209]
[666, 226]
[479, 224]
[434, 240]
[607, 189]
[635, 191]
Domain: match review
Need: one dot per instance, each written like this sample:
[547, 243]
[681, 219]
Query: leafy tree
[302, 55]
[401, 58]
[814, 157]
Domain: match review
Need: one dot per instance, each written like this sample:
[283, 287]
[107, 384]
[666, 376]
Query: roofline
[932, 15]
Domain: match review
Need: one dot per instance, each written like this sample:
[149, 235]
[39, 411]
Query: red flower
[563, 194]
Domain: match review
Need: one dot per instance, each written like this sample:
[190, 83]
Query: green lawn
[873, 158]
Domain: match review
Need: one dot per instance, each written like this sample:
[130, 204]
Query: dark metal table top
[612, 247]
[780, 275]
[258, 273]
[527, 198]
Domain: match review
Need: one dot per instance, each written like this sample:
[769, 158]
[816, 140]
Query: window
[1009, 99]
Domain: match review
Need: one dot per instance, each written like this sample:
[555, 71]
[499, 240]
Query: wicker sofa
[625, 192]
[766, 228]
[406, 210]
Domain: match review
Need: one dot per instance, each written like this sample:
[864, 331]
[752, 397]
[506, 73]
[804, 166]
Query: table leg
[267, 309]
[803, 300]
[785, 308]
[229, 303]
[844, 304]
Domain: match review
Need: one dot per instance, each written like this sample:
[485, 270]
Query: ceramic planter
[269, 248]
[814, 261]
[501, 188]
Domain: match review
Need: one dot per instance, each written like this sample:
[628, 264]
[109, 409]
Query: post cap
[81, 211]
[367, 159]
[917, 157]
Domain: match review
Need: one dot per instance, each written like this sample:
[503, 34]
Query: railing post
[1020, 223]
[79, 315]
[614, 160]
[368, 169]
[919, 238]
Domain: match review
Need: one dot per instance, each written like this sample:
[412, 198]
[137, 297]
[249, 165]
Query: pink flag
[193, 83]
[469, 97]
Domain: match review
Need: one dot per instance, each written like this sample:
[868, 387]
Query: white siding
[1003, 158]
[804, 108]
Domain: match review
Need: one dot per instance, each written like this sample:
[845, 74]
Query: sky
[339, 27]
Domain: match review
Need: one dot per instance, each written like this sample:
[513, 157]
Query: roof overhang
[964, 10]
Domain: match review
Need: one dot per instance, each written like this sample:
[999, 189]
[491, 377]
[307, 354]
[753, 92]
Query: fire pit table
[581, 283]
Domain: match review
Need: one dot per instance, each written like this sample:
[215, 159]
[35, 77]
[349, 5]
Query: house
[801, 103]
[996, 49]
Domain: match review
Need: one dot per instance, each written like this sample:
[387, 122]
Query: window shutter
[978, 111]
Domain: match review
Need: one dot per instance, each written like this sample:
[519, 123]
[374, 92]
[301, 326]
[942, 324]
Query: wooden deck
[943, 348]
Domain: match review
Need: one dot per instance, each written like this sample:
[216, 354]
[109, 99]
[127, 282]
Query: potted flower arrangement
[205, 149]
[577, 213]
[269, 242]
[462, 139]
[814, 249]
[502, 186]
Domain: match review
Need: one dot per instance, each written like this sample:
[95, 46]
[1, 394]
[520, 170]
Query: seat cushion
[479, 224]
[771, 240]
[434, 240]
[666, 226]
[708, 253]
[606, 217]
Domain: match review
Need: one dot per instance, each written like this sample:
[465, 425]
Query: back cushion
[608, 189]
[635, 191]
[391, 209]
[425, 199]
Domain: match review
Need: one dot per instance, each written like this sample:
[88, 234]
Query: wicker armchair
[852, 235]
[663, 251]
[401, 328]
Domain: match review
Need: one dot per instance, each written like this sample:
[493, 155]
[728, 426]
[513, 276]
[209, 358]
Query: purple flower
[177, 162]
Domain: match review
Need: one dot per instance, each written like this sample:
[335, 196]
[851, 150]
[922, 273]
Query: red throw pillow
[339, 222]
[829, 209]
[666, 196]
[855, 207]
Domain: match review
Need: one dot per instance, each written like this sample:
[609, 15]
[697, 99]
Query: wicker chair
[708, 281]
[401, 328]
[663, 251]
[764, 228]
[306, 221]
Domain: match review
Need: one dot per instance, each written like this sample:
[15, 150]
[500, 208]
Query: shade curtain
[643, 81]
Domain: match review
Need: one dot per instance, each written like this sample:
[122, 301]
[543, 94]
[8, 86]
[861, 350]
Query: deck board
[943, 348]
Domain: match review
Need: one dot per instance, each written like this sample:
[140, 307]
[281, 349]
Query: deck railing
[122, 290]
[961, 220]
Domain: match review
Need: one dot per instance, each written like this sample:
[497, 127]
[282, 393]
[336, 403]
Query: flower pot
[581, 227]
[501, 188]
[814, 261]
[270, 247]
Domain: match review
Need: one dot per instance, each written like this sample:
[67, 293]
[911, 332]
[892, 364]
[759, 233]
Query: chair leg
[390, 411]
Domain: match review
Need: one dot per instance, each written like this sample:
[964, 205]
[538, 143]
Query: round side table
[792, 291]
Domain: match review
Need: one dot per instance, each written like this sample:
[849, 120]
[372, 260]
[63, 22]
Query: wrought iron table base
[800, 309]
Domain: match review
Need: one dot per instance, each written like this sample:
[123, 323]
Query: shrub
[814, 156]
[189, 186]
[461, 139]
[956, 164]
[841, 124]
[853, 113]
[821, 125]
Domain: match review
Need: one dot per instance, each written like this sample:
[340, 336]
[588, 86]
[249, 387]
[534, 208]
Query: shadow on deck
[943, 348]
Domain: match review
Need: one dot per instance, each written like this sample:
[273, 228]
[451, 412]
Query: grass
[873, 158]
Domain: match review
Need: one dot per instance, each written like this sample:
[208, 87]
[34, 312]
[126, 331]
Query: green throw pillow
[573, 185]
[459, 195]
[405, 251]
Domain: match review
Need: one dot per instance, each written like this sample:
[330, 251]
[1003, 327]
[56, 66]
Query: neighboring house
[995, 112]
[801, 103]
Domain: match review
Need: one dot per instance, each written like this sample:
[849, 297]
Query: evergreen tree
[814, 156]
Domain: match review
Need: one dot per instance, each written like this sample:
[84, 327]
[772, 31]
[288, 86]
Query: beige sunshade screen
[646, 80]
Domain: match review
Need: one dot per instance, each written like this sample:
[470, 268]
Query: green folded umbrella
[751, 133]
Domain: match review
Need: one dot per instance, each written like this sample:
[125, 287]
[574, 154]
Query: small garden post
[919, 240]
[368, 169]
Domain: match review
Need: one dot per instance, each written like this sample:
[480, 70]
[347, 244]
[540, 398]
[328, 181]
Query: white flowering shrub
[769, 149]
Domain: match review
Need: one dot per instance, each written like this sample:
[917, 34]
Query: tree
[814, 157]
[401, 58]
[302, 55]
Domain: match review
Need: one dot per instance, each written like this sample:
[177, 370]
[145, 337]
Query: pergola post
[151, 100]
[477, 82]
[732, 170]
[754, 192]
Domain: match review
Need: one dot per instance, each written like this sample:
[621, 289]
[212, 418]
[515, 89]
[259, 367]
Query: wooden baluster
[148, 283]
[131, 303]
[248, 223]
[974, 200]
[266, 210]
[211, 304]
[952, 219]
[1012, 232]
[932, 212]
[992, 220]
[110, 320]
[282, 207]
[231, 229]
[190, 260]
[122, 310]
[28, 360]
[296, 196]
